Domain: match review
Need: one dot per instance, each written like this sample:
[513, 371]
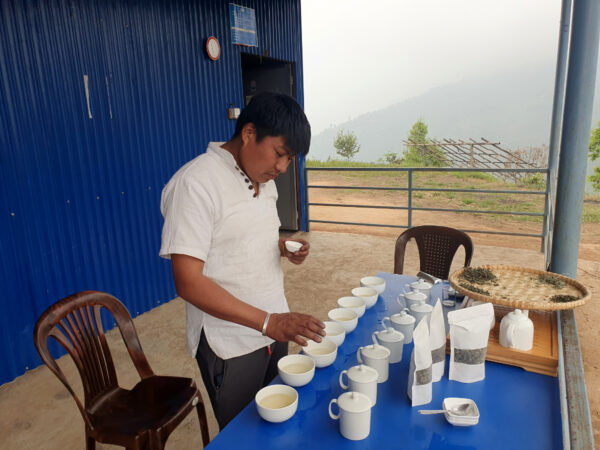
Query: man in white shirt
[221, 233]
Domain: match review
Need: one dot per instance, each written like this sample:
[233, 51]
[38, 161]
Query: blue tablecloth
[519, 409]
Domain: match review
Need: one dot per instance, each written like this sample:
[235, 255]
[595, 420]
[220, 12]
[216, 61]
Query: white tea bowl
[277, 402]
[296, 370]
[368, 294]
[293, 246]
[323, 353]
[376, 283]
[335, 332]
[344, 316]
[356, 304]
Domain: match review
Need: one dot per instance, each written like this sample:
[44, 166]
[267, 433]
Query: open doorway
[260, 73]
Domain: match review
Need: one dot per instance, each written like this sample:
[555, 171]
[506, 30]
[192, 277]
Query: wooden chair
[437, 247]
[142, 417]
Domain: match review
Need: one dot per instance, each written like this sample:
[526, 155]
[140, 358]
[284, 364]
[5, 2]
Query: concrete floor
[37, 412]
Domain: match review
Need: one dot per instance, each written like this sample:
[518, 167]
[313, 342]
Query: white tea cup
[356, 304]
[354, 415]
[421, 286]
[377, 357]
[391, 339]
[361, 379]
[412, 298]
[402, 322]
[422, 311]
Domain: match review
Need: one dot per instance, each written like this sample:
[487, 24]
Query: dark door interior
[260, 73]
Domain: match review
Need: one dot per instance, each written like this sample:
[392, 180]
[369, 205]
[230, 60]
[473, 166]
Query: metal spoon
[463, 409]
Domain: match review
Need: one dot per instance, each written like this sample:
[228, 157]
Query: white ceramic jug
[516, 330]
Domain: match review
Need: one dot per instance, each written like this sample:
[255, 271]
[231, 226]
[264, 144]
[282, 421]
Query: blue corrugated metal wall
[80, 197]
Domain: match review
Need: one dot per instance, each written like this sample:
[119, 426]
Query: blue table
[519, 409]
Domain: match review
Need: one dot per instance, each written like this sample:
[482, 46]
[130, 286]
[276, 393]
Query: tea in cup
[368, 294]
[276, 402]
[356, 304]
[354, 415]
[377, 357]
[346, 317]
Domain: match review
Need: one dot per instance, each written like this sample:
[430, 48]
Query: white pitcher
[516, 330]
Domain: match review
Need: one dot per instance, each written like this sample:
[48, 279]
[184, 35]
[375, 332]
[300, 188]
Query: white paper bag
[419, 374]
[469, 333]
[437, 338]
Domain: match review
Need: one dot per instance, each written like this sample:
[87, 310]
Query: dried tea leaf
[475, 289]
[563, 298]
[478, 275]
[551, 280]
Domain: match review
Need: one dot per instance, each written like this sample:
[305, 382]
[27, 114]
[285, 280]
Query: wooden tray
[542, 358]
[518, 287]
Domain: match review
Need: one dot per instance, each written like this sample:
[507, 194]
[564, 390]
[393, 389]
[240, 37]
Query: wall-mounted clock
[213, 48]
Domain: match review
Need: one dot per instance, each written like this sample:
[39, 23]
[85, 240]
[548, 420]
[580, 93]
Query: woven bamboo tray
[518, 287]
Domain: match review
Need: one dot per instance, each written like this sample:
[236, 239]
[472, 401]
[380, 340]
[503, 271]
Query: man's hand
[297, 257]
[295, 327]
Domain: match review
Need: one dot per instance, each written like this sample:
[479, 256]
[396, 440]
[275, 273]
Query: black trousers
[233, 383]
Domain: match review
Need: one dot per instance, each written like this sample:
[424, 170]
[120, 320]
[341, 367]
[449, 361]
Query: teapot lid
[355, 402]
[390, 335]
[518, 315]
[363, 373]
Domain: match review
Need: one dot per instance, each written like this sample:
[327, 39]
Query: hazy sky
[362, 55]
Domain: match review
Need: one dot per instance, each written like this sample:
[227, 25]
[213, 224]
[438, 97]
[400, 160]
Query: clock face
[213, 48]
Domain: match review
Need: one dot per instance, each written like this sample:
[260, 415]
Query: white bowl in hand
[376, 283]
[296, 370]
[277, 402]
[293, 246]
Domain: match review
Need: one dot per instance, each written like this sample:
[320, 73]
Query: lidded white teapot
[516, 330]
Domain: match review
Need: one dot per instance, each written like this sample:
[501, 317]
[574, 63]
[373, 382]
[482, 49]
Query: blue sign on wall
[243, 25]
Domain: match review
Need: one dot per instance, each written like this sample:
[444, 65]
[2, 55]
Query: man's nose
[282, 165]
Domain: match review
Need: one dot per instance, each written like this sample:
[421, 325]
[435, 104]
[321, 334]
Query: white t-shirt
[211, 214]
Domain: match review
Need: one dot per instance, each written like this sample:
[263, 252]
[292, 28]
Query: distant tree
[420, 151]
[391, 158]
[594, 153]
[346, 144]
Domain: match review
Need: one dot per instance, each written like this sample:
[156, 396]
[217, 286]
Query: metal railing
[410, 189]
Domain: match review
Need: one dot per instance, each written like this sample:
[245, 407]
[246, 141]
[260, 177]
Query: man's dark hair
[277, 115]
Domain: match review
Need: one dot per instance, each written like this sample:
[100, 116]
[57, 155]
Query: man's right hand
[295, 327]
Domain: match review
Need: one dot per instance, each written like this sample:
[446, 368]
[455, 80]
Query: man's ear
[248, 131]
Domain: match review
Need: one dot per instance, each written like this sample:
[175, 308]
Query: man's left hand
[297, 257]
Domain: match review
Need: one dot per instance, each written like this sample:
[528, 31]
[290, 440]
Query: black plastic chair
[140, 418]
[437, 246]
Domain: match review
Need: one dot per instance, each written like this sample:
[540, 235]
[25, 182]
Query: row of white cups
[374, 360]
[360, 381]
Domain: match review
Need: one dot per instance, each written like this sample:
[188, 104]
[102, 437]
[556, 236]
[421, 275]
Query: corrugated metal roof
[80, 195]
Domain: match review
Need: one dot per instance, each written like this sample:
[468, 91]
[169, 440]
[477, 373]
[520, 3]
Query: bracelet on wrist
[265, 323]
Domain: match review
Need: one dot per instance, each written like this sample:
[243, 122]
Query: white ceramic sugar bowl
[516, 330]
